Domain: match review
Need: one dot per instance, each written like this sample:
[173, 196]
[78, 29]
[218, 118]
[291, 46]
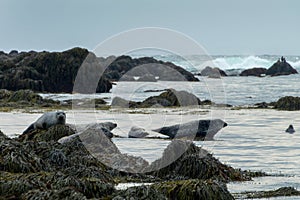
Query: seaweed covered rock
[54, 133]
[281, 192]
[193, 189]
[281, 68]
[21, 98]
[169, 98]
[259, 71]
[30, 185]
[184, 160]
[139, 193]
[288, 103]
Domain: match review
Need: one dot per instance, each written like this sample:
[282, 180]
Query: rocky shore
[37, 166]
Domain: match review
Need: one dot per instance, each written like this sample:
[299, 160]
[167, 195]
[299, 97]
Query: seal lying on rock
[200, 129]
[47, 120]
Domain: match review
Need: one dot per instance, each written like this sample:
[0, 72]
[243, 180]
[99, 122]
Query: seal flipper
[29, 129]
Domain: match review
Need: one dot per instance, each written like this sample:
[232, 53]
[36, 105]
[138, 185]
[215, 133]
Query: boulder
[169, 98]
[281, 68]
[184, 160]
[137, 132]
[213, 72]
[199, 130]
[254, 72]
[288, 103]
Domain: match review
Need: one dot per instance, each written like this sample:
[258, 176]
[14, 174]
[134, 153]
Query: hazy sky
[221, 26]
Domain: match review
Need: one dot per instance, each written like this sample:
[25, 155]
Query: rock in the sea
[281, 68]
[193, 189]
[169, 98]
[137, 132]
[281, 192]
[200, 129]
[254, 72]
[184, 160]
[213, 72]
[290, 129]
[288, 103]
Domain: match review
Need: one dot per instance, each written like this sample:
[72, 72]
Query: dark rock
[288, 103]
[290, 129]
[281, 192]
[193, 189]
[54, 133]
[281, 68]
[213, 72]
[46, 72]
[137, 132]
[184, 160]
[254, 72]
[138, 67]
[262, 105]
[201, 129]
[169, 98]
[141, 192]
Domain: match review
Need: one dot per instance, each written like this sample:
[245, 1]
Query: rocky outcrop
[146, 68]
[288, 103]
[281, 68]
[55, 72]
[169, 98]
[180, 190]
[199, 130]
[281, 192]
[254, 72]
[213, 72]
[183, 160]
[45, 71]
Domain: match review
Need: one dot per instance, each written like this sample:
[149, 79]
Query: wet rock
[290, 129]
[137, 132]
[27, 185]
[201, 129]
[141, 192]
[193, 189]
[213, 72]
[138, 67]
[171, 98]
[281, 192]
[184, 160]
[281, 68]
[288, 103]
[54, 133]
[52, 72]
[254, 72]
[21, 98]
[262, 105]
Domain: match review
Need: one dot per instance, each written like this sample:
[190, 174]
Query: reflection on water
[254, 139]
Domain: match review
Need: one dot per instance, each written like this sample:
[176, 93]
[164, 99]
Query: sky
[222, 27]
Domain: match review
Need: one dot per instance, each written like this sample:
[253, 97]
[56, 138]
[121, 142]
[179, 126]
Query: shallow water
[254, 139]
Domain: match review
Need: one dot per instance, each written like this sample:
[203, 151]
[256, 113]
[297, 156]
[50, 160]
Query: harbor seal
[199, 129]
[47, 120]
[290, 129]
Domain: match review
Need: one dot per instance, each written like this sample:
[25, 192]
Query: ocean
[255, 139]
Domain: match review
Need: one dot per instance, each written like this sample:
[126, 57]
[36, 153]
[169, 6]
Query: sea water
[254, 139]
